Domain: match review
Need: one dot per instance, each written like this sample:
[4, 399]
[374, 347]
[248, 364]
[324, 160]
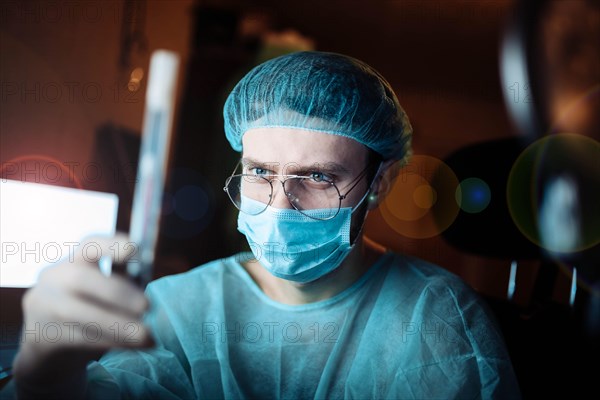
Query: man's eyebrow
[255, 163]
[330, 167]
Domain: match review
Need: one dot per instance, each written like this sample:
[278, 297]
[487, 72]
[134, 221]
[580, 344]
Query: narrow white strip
[512, 280]
[573, 287]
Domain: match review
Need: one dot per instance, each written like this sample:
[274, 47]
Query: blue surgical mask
[293, 246]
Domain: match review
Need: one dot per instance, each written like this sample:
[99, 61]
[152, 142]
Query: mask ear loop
[369, 190]
[362, 225]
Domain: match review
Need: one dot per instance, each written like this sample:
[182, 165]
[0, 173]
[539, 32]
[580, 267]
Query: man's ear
[383, 183]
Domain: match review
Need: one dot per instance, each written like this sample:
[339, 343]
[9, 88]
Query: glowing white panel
[42, 224]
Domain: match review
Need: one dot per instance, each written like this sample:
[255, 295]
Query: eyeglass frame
[341, 197]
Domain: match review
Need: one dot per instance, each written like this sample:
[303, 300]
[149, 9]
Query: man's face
[294, 151]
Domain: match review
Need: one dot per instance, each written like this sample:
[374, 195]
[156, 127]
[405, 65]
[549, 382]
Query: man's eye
[320, 177]
[258, 171]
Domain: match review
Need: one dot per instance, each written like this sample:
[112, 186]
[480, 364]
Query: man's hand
[75, 313]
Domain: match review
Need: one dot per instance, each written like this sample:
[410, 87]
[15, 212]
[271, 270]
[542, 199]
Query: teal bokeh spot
[473, 195]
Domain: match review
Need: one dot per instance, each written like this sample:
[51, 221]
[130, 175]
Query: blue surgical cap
[323, 92]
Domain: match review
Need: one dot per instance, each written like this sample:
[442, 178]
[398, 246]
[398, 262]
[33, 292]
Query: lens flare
[473, 195]
[549, 164]
[421, 203]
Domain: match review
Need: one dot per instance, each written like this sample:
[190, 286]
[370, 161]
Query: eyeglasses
[253, 193]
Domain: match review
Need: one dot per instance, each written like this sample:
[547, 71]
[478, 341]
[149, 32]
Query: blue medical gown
[406, 329]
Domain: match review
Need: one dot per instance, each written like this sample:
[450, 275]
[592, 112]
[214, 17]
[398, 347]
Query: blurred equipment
[550, 69]
[551, 53]
[154, 153]
[545, 192]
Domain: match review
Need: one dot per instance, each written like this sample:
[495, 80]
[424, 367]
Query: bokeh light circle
[573, 156]
[191, 202]
[473, 195]
[189, 207]
[421, 203]
[425, 196]
[403, 193]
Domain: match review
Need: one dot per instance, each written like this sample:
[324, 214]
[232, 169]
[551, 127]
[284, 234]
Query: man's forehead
[284, 146]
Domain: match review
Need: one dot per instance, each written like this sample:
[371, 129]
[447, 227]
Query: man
[313, 312]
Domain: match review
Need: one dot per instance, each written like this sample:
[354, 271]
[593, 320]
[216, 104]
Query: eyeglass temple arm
[358, 179]
[232, 173]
